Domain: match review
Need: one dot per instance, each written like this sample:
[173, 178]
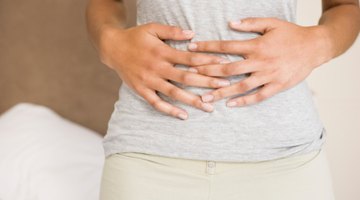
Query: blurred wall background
[43, 39]
[46, 58]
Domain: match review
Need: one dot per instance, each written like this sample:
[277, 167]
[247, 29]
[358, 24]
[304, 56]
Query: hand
[282, 57]
[144, 62]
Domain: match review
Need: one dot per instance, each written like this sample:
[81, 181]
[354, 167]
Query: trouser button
[210, 169]
[211, 164]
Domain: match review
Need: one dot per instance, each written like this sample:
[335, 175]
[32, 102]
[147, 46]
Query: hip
[135, 176]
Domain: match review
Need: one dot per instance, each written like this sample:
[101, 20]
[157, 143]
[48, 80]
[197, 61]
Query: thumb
[255, 24]
[167, 32]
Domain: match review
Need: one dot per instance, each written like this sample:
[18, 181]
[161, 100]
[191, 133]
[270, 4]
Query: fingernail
[208, 107]
[182, 116]
[223, 83]
[193, 70]
[188, 33]
[207, 97]
[231, 104]
[235, 23]
[192, 46]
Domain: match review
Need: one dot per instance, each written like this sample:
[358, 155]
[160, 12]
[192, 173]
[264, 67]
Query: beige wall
[91, 89]
[337, 95]
[46, 58]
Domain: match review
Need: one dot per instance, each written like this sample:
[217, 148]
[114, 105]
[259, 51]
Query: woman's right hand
[145, 63]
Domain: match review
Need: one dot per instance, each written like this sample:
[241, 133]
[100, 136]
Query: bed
[46, 156]
[56, 99]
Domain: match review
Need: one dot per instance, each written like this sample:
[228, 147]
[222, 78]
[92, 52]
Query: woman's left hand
[284, 55]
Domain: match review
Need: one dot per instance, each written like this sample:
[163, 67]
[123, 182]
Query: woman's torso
[285, 124]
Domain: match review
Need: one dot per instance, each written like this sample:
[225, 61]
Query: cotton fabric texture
[138, 176]
[285, 124]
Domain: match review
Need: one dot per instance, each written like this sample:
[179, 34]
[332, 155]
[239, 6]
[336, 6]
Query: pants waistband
[214, 167]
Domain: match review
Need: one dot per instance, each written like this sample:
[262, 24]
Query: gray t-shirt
[283, 125]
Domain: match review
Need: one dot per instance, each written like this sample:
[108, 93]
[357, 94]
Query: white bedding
[46, 157]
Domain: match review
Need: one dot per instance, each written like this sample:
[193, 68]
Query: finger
[255, 24]
[155, 101]
[267, 91]
[167, 32]
[181, 95]
[192, 59]
[243, 86]
[234, 68]
[236, 47]
[194, 79]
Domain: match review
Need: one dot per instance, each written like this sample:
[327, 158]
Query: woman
[214, 103]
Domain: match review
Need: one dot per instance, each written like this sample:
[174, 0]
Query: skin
[119, 48]
[275, 59]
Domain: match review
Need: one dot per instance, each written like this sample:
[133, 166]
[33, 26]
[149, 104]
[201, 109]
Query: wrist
[324, 43]
[106, 32]
[106, 35]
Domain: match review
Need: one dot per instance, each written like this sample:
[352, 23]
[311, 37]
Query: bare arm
[144, 61]
[341, 21]
[284, 55]
[102, 14]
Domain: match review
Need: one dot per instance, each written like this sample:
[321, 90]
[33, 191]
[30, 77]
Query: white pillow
[46, 157]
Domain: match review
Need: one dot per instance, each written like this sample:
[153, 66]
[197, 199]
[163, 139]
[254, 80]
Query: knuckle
[186, 57]
[185, 78]
[202, 70]
[258, 45]
[158, 51]
[137, 87]
[244, 86]
[242, 100]
[212, 82]
[224, 46]
[152, 67]
[174, 92]
[201, 45]
[191, 59]
[261, 96]
[151, 25]
[144, 77]
[250, 20]
[156, 104]
[188, 78]
[181, 77]
[206, 71]
[162, 68]
[196, 102]
[220, 94]
[227, 70]
[174, 29]
[248, 85]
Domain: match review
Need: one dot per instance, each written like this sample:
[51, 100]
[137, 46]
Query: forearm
[341, 25]
[101, 14]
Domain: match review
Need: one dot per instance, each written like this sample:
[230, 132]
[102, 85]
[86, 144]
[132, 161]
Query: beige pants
[139, 176]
